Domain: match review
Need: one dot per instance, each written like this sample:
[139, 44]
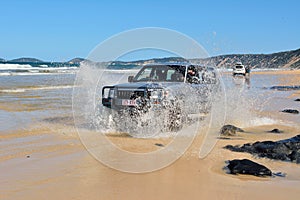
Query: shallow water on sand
[27, 99]
[42, 156]
[250, 101]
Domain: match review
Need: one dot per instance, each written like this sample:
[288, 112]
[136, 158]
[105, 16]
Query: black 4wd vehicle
[173, 93]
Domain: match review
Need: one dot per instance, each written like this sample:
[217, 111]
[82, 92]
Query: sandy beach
[42, 157]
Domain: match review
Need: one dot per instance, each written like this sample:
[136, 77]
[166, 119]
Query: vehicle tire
[126, 120]
[138, 123]
[175, 118]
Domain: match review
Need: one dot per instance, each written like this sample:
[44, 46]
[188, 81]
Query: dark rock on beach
[297, 99]
[295, 155]
[285, 150]
[230, 130]
[292, 111]
[276, 130]
[246, 166]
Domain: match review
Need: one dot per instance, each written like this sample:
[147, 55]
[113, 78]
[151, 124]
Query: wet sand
[46, 160]
[59, 167]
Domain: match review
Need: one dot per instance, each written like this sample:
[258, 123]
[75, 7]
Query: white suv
[239, 69]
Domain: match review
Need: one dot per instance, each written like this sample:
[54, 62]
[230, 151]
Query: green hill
[26, 60]
[77, 60]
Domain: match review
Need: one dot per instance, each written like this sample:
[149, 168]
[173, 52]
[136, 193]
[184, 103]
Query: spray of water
[185, 105]
[175, 120]
[245, 105]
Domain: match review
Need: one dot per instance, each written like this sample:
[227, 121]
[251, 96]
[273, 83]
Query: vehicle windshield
[239, 67]
[161, 73]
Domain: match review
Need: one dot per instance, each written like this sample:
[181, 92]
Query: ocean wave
[16, 90]
[21, 90]
[14, 66]
[26, 69]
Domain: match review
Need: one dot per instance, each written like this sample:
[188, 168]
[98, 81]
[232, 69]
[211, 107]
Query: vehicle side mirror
[130, 79]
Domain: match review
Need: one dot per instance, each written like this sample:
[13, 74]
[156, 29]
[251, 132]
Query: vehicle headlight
[111, 93]
[155, 94]
[158, 94]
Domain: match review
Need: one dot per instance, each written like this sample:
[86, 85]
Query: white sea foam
[17, 90]
[14, 67]
[5, 73]
[20, 90]
[260, 121]
[18, 69]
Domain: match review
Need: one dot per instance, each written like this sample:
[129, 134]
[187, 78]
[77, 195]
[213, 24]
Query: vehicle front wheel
[175, 118]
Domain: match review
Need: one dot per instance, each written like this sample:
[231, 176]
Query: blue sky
[61, 30]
